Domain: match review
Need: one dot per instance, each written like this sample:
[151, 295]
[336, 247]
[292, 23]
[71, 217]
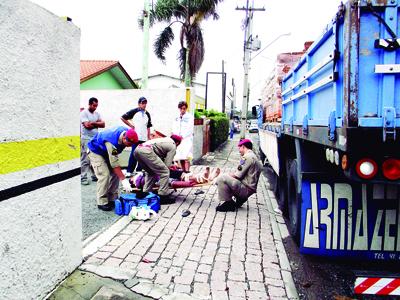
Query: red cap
[131, 136]
[176, 138]
[244, 141]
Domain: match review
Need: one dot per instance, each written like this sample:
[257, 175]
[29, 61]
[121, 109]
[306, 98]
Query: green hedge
[219, 126]
[219, 130]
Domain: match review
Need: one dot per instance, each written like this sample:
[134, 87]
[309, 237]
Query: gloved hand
[126, 185]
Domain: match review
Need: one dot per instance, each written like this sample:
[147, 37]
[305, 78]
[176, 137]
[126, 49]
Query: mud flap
[357, 220]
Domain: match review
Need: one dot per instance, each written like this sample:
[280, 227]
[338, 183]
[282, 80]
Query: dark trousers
[133, 162]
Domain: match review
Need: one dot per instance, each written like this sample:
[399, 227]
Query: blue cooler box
[124, 204]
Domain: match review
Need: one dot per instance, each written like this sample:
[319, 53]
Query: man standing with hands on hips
[241, 184]
[104, 149]
[140, 120]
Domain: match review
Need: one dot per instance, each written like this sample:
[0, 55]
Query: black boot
[166, 199]
[105, 207]
[240, 201]
[226, 206]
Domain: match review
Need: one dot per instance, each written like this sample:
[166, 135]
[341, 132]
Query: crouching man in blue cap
[104, 149]
[241, 184]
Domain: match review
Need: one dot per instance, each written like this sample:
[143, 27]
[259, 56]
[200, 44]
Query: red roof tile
[91, 68]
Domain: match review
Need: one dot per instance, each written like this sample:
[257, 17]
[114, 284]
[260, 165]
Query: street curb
[279, 229]
[91, 245]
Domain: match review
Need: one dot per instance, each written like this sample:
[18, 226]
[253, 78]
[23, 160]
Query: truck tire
[281, 195]
[294, 201]
[262, 156]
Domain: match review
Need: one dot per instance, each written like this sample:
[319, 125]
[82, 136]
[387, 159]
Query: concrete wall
[40, 208]
[198, 142]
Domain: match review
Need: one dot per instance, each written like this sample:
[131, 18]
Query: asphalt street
[94, 220]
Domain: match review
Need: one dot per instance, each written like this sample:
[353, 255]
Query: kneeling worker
[104, 148]
[241, 184]
[156, 156]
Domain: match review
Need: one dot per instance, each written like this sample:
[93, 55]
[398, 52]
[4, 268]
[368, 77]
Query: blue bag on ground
[127, 201]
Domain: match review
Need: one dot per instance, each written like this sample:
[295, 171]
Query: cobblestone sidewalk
[206, 255]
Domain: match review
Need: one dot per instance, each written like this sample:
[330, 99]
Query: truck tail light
[391, 168]
[366, 168]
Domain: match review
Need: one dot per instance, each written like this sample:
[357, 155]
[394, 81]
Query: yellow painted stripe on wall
[23, 155]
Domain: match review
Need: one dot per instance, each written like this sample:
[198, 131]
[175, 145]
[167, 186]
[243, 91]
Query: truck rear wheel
[294, 201]
[262, 156]
[281, 195]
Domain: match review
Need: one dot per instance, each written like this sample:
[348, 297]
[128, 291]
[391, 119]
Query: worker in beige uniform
[241, 184]
[104, 149]
[156, 157]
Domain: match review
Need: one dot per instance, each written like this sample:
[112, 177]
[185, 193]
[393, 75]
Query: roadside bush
[219, 126]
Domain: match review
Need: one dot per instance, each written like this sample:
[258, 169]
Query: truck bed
[346, 83]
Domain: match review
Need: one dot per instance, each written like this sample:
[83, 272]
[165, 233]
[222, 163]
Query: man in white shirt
[140, 120]
[90, 122]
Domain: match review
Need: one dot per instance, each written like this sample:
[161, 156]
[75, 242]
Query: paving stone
[199, 277]
[108, 248]
[274, 282]
[112, 262]
[168, 254]
[219, 295]
[182, 288]
[190, 265]
[175, 271]
[236, 289]
[201, 290]
[203, 268]
[143, 287]
[254, 295]
[94, 261]
[163, 279]
[255, 276]
[102, 255]
[257, 286]
[152, 256]
[158, 270]
[237, 276]
[133, 258]
[272, 273]
[218, 285]
[147, 274]
[185, 278]
[274, 291]
[129, 265]
[222, 258]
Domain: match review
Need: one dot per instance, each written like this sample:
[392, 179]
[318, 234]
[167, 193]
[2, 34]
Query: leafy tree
[189, 14]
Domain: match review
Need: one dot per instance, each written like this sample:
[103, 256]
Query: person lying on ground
[180, 179]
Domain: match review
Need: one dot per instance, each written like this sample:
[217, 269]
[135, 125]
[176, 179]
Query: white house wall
[162, 105]
[40, 208]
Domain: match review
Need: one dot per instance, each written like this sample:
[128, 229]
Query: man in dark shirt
[140, 120]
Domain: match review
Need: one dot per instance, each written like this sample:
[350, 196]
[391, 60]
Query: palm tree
[189, 14]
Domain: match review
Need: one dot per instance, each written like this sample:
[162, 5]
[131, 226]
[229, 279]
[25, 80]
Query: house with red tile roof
[104, 75]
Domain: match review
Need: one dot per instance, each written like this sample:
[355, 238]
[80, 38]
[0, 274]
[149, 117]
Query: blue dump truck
[335, 151]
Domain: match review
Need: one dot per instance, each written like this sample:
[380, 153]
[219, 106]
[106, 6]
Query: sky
[109, 31]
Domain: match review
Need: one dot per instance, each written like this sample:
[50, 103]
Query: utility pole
[248, 46]
[223, 87]
[145, 55]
